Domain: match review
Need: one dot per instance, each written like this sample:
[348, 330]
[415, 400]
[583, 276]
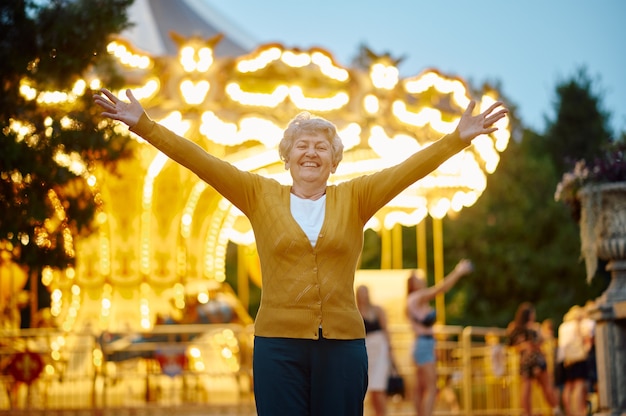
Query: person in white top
[575, 338]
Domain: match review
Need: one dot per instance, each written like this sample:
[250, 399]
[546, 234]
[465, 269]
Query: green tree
[580, 127]
[525, 245]
[49, 149]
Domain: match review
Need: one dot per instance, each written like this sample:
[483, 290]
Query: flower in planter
[609, 167]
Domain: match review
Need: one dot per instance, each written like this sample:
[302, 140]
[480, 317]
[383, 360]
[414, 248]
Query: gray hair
[303, 123]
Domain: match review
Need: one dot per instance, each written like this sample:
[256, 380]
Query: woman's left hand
[471, 126]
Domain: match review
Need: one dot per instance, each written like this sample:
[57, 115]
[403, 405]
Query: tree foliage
[48, 149]
[526, 246]
[580, 128]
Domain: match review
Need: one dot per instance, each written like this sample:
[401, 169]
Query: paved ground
[141, 411]
[242, 409]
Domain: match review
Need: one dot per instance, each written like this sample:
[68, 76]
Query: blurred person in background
[575, 340]
[378, 348]
[549, 347]
[524, 334]
[423, 317]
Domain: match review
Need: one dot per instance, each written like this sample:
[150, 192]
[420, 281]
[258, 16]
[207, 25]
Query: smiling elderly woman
[309, 349]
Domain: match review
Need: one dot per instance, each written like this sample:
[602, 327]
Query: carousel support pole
[243, 282]
[440, 303]
[422, 252]
[385, 255]
[396, 255]
[610, 317]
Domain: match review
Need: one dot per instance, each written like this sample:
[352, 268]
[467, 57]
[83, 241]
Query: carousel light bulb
[439, 208]
[421, 83]
[28, 92]
[325, 63]
[371, 104]
[296, 60]
[203, 298]
[79, 87]
[205, 60]
[263, 59]
[95, 84]
[194, 92]
[187, 59]
[384, 76]
[234, 91]
[334, 102]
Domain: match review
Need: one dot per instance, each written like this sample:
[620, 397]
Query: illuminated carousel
[163, 233]
[160, 252]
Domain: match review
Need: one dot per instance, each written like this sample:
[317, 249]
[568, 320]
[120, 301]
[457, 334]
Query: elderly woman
[309, 349]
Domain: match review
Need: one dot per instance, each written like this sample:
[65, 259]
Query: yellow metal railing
[207, 366]
[169, 367]
[478, 373]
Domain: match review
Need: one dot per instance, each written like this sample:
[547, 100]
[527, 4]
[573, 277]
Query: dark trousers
[302, 377]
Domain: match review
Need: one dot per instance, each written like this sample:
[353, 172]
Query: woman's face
[311, 159]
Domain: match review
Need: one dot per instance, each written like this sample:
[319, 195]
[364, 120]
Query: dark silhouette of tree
[48, 149]
[580, 128]
[366, 57]
[525, 244]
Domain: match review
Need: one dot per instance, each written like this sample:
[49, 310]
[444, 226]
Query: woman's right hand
[116, 109]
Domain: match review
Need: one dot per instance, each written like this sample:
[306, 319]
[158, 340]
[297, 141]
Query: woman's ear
[286, 165]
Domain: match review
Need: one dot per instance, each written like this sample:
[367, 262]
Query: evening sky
[527, 47]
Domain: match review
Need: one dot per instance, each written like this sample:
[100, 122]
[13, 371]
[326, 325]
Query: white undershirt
[309, 215]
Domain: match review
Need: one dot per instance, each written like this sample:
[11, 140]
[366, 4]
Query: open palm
[471, 126]
[116, 109]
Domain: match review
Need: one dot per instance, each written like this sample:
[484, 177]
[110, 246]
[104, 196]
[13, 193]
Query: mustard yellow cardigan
[304, 287]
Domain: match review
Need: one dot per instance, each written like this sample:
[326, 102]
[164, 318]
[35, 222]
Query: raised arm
[235, 185]
[462, 268]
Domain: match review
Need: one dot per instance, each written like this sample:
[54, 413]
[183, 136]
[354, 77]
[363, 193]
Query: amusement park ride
[163, 233]
[160, 252]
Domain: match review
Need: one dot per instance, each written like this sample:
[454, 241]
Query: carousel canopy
[161, 227]
[154, 20]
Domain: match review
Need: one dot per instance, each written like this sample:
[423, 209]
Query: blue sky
[527, 46]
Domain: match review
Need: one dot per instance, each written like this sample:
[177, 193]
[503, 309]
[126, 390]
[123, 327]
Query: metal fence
[207, 369]
[478, 375]
[180, 366]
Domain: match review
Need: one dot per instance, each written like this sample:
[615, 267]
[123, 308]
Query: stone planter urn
[603, 236]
